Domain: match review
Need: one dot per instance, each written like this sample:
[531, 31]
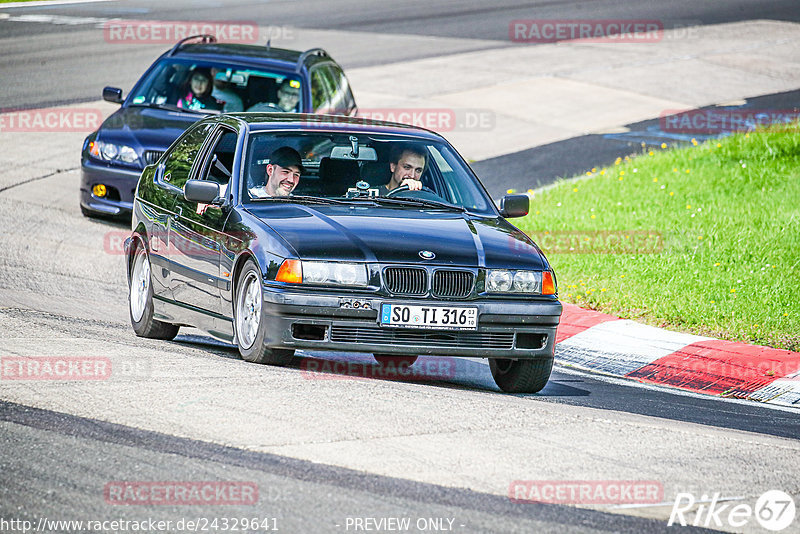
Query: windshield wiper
[411, 201]
[302, 198]
[173, 107]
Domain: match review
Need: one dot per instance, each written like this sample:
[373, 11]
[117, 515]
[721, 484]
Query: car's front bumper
[506, 328]
[119, 181]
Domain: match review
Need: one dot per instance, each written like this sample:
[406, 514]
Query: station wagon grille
[452, 283]
[406, 280]
[151, 156]
[375, 334]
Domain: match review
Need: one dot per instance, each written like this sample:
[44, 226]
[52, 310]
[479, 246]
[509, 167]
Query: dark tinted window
[183, 154]
[446, 176]
[342, 100]
[232, 88]
[218, 166]
[320, 90]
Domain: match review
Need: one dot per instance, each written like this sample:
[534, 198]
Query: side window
[320, 91]
[342, 100]
[218, 166]
[182, 156]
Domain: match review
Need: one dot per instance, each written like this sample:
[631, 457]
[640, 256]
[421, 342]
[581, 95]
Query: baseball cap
[286, 157]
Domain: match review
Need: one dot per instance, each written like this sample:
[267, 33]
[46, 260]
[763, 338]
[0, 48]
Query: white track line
[50, 3]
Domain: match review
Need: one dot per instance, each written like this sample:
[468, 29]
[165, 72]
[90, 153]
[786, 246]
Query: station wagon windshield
[360, 168]
[216, 87]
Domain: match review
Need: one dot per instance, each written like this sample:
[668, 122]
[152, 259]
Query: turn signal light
[291, 272]
[99, 190]
[548, 284]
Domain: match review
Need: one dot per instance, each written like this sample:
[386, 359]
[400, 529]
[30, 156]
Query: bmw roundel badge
[426, 254]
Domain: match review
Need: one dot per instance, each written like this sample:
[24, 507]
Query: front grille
[452, 283]
[151, 156]
[406, 280]
[375, 334]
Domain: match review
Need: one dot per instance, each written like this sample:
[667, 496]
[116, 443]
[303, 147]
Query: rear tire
[248, 321]
[521, 376]
[388, 360]
[140, 300]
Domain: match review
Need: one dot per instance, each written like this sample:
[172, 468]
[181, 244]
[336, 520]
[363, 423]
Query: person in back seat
[288, 97]
[407, 164]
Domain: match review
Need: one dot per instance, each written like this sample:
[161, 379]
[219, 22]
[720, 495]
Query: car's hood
[392, 235]
[146, 128]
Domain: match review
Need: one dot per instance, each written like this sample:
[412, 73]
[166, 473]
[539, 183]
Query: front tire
[249, 323]
[140, 301]
[521, 376]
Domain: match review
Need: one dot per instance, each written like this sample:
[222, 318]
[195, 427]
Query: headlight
[499, 281]
[323, 273]
[527, 282]
[530, 282]
[112, 152]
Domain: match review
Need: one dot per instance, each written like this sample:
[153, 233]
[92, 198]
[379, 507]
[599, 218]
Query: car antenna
[269, 40]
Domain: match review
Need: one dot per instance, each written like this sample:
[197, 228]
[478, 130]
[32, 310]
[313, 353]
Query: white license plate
[439, 317]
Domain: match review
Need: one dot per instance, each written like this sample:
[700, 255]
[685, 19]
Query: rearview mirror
[112, 94]
[201, 191]
[365, 153]
[514, 206]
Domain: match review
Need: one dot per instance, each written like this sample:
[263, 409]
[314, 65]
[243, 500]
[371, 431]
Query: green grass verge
[704, 239]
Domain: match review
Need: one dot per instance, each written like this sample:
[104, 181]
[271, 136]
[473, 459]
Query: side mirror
[201, 191]
[514, 205]
[112, 94]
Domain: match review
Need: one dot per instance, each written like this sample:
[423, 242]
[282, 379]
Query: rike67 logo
[774, 511]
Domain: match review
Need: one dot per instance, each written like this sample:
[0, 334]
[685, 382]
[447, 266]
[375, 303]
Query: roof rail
[206, 38]
[310, 52]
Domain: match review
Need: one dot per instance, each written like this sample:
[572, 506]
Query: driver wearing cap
[283, 173]
[407, 165]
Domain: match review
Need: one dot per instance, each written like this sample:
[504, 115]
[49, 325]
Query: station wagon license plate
[429, 317]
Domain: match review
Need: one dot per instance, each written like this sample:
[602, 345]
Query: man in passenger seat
[282, 174]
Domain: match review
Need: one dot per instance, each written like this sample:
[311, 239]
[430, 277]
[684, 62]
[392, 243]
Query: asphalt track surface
[54, 463]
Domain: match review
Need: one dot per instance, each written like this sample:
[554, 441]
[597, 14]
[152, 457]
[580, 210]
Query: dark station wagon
[187, 83]
[343, 261]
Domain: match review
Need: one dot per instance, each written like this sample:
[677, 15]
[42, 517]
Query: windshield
[389, 170]
[217, 87]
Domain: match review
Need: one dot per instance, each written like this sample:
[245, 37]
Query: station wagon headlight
[531, 282]
[112, 152]
[323, 273]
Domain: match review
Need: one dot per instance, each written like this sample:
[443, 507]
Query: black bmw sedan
[279, 232]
